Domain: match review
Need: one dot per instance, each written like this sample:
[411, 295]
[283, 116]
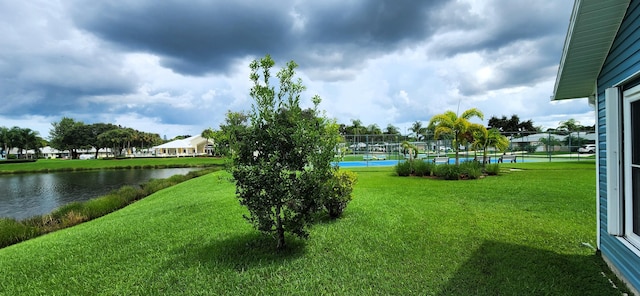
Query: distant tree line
[71, 135]
[21, 138]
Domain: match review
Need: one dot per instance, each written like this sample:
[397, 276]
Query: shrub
[72, 218]
[531, 148]
[447, 171]
[470, 170]
[492, 169]
[129, 193]
[339, 189]
[403, 168]
[103, 205]
[64, 210]
[12, 231]
[422, 168]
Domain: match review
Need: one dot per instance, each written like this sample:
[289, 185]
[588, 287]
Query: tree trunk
[279, 230]
[457, 157]
[484, 157]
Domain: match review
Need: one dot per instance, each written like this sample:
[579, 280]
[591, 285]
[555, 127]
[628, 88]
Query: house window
[631, 163]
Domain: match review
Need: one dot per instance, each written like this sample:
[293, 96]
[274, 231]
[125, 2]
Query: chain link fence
[534, 146]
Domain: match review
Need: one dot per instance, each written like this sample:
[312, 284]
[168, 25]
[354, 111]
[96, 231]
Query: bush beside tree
[339, 189]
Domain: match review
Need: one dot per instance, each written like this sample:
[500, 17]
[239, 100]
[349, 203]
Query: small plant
[492, 169]
[403, 168]
[470, 170]
[422, 168]
[339, 188]
[447, 171]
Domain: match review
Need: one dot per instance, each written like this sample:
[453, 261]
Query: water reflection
[26, 195]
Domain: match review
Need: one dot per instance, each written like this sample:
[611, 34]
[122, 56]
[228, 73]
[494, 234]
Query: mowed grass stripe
[516, 234]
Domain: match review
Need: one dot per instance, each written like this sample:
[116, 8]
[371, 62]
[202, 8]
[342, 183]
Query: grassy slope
[517, 234]
[44, 165]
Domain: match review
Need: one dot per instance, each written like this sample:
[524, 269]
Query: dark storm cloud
[44, 69]
[380, 24]
[518, 40]
[190, 37]
[503, 23]
[201, 37]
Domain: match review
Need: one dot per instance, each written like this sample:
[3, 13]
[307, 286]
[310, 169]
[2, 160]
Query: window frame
[630, 97]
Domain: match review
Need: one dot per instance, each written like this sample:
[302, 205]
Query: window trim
[630, 96]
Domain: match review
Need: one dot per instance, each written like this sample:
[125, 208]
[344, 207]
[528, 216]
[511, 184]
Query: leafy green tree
[152, 139]
[550, 142]
[282, 160]
[458, 127]
[235, 123]
[64, 135]
[391, 130]
[574, 142]
[512, 126]
[118, 139]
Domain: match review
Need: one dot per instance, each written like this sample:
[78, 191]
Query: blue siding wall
[622, 62]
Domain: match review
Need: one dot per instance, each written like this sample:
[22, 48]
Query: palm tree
[410, 149]
[391, 130]
[4, 140]
[549, 143]
[417, 129]
[484, 139]
[208, 134]
[14, 137]
[569, 125]
[375, 131]
[356, 126]
[30, 140]
[458, 127]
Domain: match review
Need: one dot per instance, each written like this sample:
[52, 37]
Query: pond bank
[13, 231]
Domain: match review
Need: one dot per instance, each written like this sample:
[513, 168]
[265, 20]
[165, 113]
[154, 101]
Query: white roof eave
[592, 30]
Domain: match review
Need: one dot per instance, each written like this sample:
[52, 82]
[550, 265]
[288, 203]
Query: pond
[27, 195]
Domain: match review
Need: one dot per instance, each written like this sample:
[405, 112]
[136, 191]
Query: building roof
[592, 29]
[589, 136]
[190, 142]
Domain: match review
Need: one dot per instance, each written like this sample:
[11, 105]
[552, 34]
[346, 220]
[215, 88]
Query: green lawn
[522, 233]
[48, 165]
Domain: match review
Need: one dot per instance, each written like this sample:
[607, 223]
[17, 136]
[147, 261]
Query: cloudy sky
[176, 67]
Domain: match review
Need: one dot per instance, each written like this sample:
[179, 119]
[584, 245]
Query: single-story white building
[192, 146]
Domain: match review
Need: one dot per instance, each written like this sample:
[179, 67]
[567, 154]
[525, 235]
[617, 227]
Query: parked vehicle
[590, 148]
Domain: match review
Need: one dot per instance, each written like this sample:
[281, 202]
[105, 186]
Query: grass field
[51, 165]
[522, 233]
